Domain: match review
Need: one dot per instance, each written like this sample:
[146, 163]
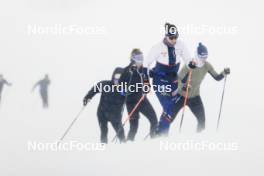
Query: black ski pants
[148, 111]
[196, 106]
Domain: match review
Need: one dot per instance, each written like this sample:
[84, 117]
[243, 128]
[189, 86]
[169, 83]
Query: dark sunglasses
[173, 37]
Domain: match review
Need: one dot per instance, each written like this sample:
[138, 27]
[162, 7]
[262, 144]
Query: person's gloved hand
[227, 71]
[85, 101]
[192, 65]
[133, 68]
[184, 89]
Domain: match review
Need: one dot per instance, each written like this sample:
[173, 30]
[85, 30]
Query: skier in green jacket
[194, 101]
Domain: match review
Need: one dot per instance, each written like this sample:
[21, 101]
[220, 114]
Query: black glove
[192, 65]
[133, 68]
[227, 71]
[184, 87]
[85, 101]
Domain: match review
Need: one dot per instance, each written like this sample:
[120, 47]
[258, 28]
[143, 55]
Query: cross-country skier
[3, 82]
[43, 90]
[194, 101]
[166, 56]
[135, 75]
[111, 105]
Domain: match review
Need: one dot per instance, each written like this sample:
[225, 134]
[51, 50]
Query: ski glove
[185, 85]
[192, 65]
[133, 68]
[184, 90]
[85, 101]
[227, 71]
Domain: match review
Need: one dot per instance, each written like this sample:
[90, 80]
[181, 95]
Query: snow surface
[75, 62]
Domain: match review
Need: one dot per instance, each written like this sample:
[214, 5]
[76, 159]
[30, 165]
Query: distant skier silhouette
[43, 90]
[3, 82]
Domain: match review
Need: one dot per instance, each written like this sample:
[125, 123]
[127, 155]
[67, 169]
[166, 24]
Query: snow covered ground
[76, 61]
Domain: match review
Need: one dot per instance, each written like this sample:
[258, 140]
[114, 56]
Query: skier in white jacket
[166, 57]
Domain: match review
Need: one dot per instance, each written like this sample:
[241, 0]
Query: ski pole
[146, 137]
[72, 123]
[129, 116]
[186, 97]
[221, 105]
